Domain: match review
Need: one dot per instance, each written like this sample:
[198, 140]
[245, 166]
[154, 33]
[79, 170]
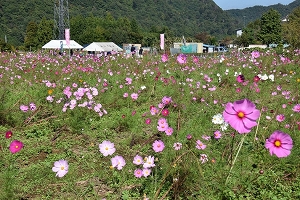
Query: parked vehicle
[220, 49]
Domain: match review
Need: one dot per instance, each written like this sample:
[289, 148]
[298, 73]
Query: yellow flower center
[62, 168]
[241, 114]
[277, 143]
[106, 148]
[17, 146]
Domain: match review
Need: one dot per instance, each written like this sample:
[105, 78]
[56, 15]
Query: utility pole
[61, 19]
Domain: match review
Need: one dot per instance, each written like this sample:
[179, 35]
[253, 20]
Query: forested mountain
[253, 13]
[178, 17]
[181, 17]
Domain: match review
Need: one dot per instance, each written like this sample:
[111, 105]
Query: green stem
[240, 146]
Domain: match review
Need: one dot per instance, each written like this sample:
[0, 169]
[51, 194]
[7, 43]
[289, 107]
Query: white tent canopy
[103, 46]
[55, 44]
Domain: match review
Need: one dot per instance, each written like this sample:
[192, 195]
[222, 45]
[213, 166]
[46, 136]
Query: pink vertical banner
[67, 36]
[162, 41]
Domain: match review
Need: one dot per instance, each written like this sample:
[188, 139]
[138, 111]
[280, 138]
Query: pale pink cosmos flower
[162, 127]
[177, 146]
[146, 172]
[138, 160]
[200, 145]
[61, 168]
[149, 162]
[125, 95]
[169, 131]
[118, 162]
[107, 148]
[206, 137]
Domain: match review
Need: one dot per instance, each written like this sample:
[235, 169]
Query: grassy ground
[127, 88]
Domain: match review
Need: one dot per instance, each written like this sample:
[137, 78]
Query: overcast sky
[240, 4]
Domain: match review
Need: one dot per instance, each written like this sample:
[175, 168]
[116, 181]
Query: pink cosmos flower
[134, 96]
[280, 117]
[148, 121]
[181, 58]
[255, 54]
[162, 127]
[107, 148]
[118, 162]
[169, 131]
[158, 146]
[241, 115]
[280, 144]
[24, 108]
[61, 168]
[164, 58]
[153, 110]
[166, 100]
[138, 160]
[125, 95]
[217, 134]
[8, 134]
[206, 137]
[200, 145]
[138, 173]
[15, 146]
[296, 108]
[32, 106]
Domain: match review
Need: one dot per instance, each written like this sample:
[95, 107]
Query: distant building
[239, 32]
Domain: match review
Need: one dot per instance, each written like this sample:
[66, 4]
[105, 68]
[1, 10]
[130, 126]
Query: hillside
[253, 13]
[182, 18]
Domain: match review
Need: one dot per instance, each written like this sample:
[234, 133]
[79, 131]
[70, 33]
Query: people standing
[132, 49]
[141, 52]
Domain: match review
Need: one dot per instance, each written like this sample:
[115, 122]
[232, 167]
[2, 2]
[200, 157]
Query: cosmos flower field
[217, 126]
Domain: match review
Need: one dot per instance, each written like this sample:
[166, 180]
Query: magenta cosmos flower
[158, 146]
[107, 148]
[15, 146]
[280, 144]
[164, 58]
[8, 134]
[241, 115]
[61, 168]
